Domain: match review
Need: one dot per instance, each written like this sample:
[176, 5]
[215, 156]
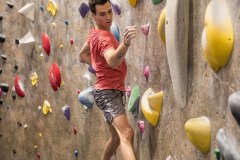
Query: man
[107, 57]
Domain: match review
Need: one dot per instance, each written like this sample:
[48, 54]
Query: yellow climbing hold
[219, 33]
[198, 131]
[52, 7]
[34, 78]
[40, 134]
[161, 25]
[62, 83]
[133, 2]
[46, 107]
[61, 46]
[151, 105]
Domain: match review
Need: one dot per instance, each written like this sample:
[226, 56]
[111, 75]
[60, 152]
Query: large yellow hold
[161, 25]
[151, 105]
[198, 131]
[219, 34]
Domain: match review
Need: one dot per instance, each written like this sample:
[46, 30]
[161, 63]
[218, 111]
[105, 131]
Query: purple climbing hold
[116, 7]
[66, 111]
[90, 69]
[76, 153]
[83, 9]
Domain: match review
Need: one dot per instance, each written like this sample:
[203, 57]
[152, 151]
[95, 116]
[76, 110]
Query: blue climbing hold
[90, 69]
[86, 98]
[115, 31]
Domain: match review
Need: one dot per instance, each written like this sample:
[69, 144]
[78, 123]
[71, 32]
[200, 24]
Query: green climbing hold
[155, 2]
[217, 154]
[133, 98]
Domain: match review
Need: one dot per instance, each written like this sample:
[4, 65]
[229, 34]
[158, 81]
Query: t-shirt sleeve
[106, 43]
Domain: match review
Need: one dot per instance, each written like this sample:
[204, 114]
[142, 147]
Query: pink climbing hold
[145, 29]
[146, 72]
[0, 92]
[128, 91]
[141, 126]
[71, 41]
[46, 43]
[78, 91]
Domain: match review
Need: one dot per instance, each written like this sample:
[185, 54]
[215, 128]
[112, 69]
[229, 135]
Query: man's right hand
[129, 33]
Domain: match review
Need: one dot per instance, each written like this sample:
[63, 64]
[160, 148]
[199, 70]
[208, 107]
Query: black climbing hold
[41, 7]
[16, 67]
[66, 22]
[0, 118]
[14, 97]
[19, 124]
[1, 17]
[2, 38]
[4, 87]
[10, 5]
[0, 135]
[1, 101]
[16, 41]
[4, 57]
[14, 151]
[0, 70]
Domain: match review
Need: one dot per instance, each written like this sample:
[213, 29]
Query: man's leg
[126, 135]
[112, 144]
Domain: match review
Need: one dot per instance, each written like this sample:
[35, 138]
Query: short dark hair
[92, 4]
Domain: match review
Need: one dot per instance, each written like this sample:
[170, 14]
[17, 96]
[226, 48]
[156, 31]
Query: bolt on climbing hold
[41, 7]
[1, 17]
[141, 126]
[116, 7]
[128, 91]
[1, 70]
[66, 111]
[25, 126]
[4, 57]
[4, 87]
[16, 41]
[16, 67]
[34, 78]
[146, 72]
[217, 154]
[2, 38]
[35, 147]
[10, 5]
[71, 41]
[38, 155]
[61, 46]
[46, 107]
[40, 134]
[14, 151]
[19, 124]
[83, 9]
[39, 108]
[145, 29]
[75, 130]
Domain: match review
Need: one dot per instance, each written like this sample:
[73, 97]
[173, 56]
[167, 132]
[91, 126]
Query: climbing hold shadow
[198, 131]
[86, 97]
[151, 105]
[234, 104]
[228, 152]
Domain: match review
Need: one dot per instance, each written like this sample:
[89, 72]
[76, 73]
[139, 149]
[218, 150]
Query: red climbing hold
[55, 76]
[19, 87]
[71, 41]
[46, 43]
[75, 130]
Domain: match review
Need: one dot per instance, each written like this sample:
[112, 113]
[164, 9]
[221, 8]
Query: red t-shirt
[107, 78]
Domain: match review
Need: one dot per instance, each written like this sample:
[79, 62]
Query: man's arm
[85, 56]
[116, 57]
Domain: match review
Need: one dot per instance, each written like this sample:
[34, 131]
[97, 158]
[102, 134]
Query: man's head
[102, 13]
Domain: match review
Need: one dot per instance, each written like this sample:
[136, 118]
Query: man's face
[103, 16]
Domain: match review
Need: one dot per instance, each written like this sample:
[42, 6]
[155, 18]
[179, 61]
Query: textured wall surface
[207, 92]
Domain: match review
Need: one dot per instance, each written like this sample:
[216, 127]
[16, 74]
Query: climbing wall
[32, 129]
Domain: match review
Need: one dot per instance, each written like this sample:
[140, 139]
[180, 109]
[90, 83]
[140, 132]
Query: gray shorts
[111, 102]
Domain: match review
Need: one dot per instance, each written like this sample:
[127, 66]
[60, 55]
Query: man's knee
[128, 135]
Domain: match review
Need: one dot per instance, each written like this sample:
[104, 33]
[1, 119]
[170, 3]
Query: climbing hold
[34, 78]
[1, 17]
[25, 126]
[169, 158]
[2, 38]
[218, 30]
[71, 41]
[78, 91]
[1, 101]
[198, 131]
[155, 2]
[133, 3]
[83, 9]
[134, 99]
[128, 91]
[54, 25]
[86, 97]
[10, 5]
[61, 46]
[217, 154]
[35, 147]
[90, 69]
[141, 126]
[234, 104]
[16, 66]
[52, 7]
[27, 43]
[76, 153]
[46, 107]
[39, 108]
[38, 155]
[115, 31]
[66, 22]
[116, 7]
[145, 29]
[151, 105]
[14, 96]
[4, 57]
[19, 87]
[14, 151]
[66, 111]
[1, 70]
[228, 147]
[161, 25]
[55, 76]
[1, 92]
[75, 130]
[4, 87]
[41, 7]
[16, 41]
[46, 43]
[146, 72]
[19, 124]
[40, 135]
[28, 11]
